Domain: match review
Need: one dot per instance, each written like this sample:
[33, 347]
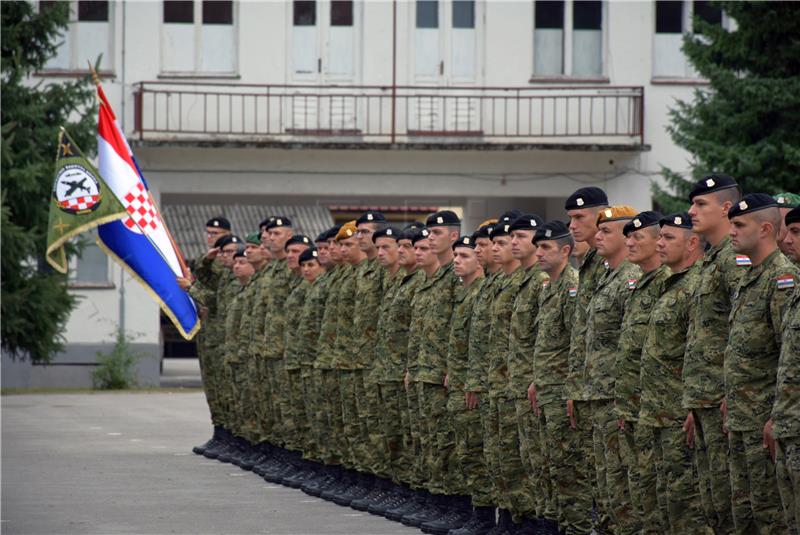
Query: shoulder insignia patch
[631, 284]
[605, 263]
[573, 292]
[743, 260]
[785, 281]
[545, 283]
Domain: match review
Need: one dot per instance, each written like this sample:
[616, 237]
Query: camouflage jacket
[343, 347]
[368, 298]
[477, 361]
[293, 311]
[751, 357]
[310, 321]
[393, 327]
[435, 308]
[274, 292]
[552, 334]
[603, 324]
[786, 411]
[458, 346]
[257, 346]
[500, 332]
[703, 384]
[522, 334]
[250, 320]
[663, 349]
[629, 355]
[233, 316]
[204, 291]
[329, 323]
[591, 270]
[216, 299]
[391, 283]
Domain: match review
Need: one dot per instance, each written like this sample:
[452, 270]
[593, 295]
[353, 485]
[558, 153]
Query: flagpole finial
[95, 78]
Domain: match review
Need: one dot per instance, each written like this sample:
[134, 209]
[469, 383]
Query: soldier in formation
[627, 372]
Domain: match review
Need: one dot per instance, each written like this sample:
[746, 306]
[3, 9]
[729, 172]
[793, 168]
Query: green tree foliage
[745, 123]
[35, 301]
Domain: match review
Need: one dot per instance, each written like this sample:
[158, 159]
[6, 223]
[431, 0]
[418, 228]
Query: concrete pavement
[122, 463]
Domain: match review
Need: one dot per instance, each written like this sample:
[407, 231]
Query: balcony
[411, 117]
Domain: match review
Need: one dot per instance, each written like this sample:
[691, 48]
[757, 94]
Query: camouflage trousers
[502, 451]
[629, 438]
[436, 436]
[293, 411]
[353, 428]
[209, 371]
[393, 402]
[711, 458]
[274, 377]
[234, 371]
[369, 410]
[225, 395]
[611, 472]
[569, 467]
[468, 450]
[416, 473]
[755, 499]
[262, 400]
[669, 484]
[311, 382]
[331, 438]
[243, 410]
[787, 467]
[535, 459]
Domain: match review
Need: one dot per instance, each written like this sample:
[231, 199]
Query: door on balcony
[323, 52]
[445, 40]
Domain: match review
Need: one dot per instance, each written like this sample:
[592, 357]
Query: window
[91, 267]
[673, 18]
[463, 14]
[568, 38]
[427, 14]
[87, 36]
[305, 13]
[341, 13]
[199, 37]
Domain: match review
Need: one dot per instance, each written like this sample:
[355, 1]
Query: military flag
[81, 201]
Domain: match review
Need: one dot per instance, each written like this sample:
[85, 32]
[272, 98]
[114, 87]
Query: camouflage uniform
[786, 414]
[591, 270]
[703, 386]
[262, 398]
[235, 366]
[669, 485]
[567, 472]
[465, 423]
[390, 364]
[353, 430]
[434, 307]
[293, 409]
[751, 365]
[273, 292]
[330, 406]
[520, 375]
[627, 368]
[474, 461]
[368, 295]
[251, 388]
[500, 435]
[603, 324]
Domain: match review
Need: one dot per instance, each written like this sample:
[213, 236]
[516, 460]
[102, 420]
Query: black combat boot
[331, 477]
[504, 524]
[210, 443]
[417, 501]
[433, 510]
[395, 497]
[457, 513]
[360, 488]
[380, 489]
[221, 443]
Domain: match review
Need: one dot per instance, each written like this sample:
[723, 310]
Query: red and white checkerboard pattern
[141, 210]
[80, 203]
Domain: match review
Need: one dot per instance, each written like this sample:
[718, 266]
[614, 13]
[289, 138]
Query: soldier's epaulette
[785, 281]
[743, 260]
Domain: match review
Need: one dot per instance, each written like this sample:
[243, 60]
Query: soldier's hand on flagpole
[184, 283]
[688, 428]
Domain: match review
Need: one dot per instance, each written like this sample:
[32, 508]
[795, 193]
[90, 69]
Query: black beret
[526, 222]
[679, 219]
[371, 217]
[278, 221]
[422, 234]
[752, 202]
[464, 241]
[712, 183]
[409, 233]
[297, 238]
[241, 250]
[586, 198]
[418, 225]
[509, 217]
[323, 236]
[308, 255]
[219, 222]
[443, 218]
[483, 232]
[552, 230]
[332, 232]
[265, 222]
[225, 240]
[387, 232]
[645, 219]
[500, 229]
[793, 216]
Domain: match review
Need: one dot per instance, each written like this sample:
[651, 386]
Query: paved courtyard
[122, 463]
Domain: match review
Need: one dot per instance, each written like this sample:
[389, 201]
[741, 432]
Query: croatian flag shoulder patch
[743, 260]
[631, 284]
[573, 292]
[785, 282]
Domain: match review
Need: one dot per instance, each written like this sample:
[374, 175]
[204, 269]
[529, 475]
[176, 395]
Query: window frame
[567, 49]
[74, 283]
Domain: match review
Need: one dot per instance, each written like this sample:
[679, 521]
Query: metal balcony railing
[188, 111]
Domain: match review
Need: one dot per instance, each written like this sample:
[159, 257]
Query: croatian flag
[141, 242]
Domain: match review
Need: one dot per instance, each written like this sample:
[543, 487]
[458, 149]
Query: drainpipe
[394, 69]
